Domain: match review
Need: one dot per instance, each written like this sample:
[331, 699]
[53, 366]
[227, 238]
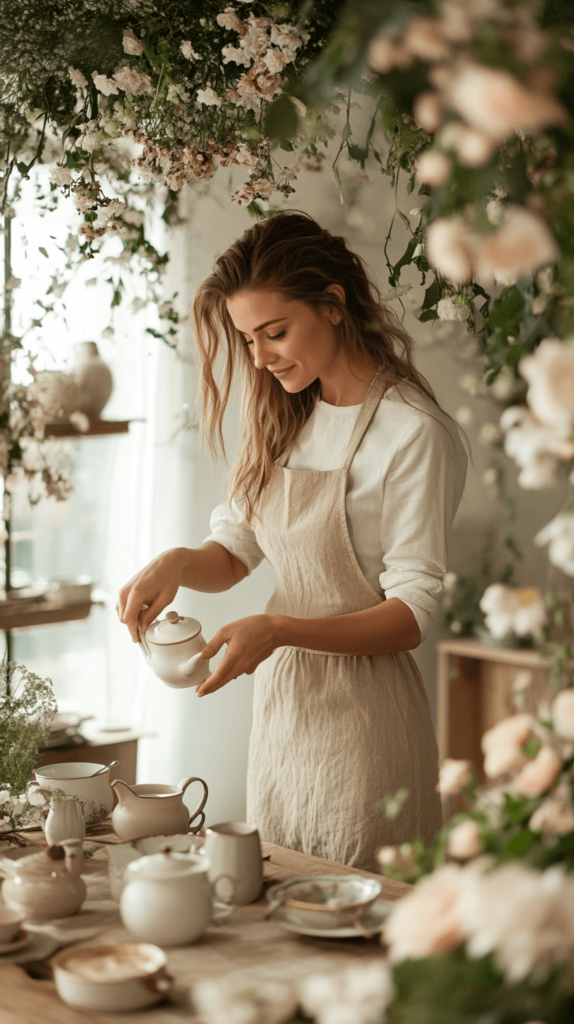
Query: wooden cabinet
[475, 692]
[106, 747]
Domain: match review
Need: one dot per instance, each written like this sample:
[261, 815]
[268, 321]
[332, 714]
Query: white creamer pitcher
[172, 647]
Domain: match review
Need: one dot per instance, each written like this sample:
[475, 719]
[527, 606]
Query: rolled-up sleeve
[422, 492]
[238, 537]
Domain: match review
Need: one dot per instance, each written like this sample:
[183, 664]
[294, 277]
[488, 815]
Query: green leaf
[432, 295]
[520, 843]
[281, 120]
[404, 260]
[429, 314]
[43, 251]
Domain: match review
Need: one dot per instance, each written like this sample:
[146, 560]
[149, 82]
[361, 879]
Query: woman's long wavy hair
[290, 253]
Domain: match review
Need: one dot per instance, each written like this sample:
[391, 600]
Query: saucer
[37, 947]
[372, 921]
[21, 939]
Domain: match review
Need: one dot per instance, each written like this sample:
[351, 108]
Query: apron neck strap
[366, 413]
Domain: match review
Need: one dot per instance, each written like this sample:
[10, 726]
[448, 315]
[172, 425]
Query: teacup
[94, 793]
[233, 849]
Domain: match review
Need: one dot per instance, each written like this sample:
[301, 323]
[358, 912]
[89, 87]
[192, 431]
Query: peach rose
[464, 840]
[454, 776]
[495, 102]
[427, 922]
[472, 147]
[555, 816]
[387, 52]
[449, 249]
[538, 775]
[563, 714]
[427, 111]
[425, 41]
[502, 745]
[522, 244]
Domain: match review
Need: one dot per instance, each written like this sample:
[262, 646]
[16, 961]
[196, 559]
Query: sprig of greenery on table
[26, 705]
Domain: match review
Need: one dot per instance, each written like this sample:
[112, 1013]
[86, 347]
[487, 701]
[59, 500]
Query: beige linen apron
[333, 733]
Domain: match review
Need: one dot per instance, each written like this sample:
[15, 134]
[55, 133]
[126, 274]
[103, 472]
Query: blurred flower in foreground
[535, 447]
[454, 776]
[464, 840]
[359, 994]
[519, 610]
[549, 372]
[503, 745]
[558, 534]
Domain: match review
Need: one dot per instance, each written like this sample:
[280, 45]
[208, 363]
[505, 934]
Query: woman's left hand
[249, 642]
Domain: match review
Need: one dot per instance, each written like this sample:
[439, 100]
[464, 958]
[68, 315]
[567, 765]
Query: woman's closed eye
[270, 337]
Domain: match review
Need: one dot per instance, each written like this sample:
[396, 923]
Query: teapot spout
[122, 793]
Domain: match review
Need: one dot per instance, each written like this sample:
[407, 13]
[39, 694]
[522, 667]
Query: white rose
[454, 776]
[464, 840]
[473, 148]
[133, 82]
[4, 796]
[104, 84]
[538, 775]
[132, 44]
[61, 176]
[549, 372]
[495, 102]
[188, 51]
[453, 307]
[427, 112]
[426, 922]
[563, 714]
[522, 244]
[449, 249]
[558, 534]
[208, 97]
[77, 77]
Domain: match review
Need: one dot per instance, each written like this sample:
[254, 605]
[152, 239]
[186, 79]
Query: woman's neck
[346, 384]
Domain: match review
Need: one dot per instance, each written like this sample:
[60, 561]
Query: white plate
[38, 947]
[372, 920]
[21, 939]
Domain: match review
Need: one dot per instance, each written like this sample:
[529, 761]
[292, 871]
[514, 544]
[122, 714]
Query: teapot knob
[173, 617]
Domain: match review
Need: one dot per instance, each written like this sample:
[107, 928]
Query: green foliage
[453, 989]
[26, 703]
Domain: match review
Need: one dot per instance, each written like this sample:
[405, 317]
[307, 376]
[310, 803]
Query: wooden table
[246, 943]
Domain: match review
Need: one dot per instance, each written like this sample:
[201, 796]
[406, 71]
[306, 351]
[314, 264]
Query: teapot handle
[199, 809]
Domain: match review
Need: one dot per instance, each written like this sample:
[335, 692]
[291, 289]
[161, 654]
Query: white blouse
[405, 484]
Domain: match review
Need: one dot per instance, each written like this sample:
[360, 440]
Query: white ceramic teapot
[168, 899]
[47, 884]
[172, 647]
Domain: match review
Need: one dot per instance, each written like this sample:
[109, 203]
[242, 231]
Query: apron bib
[333, 734]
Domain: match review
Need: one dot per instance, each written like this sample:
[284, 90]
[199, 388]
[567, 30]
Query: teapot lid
[174, 629]
[166, 865]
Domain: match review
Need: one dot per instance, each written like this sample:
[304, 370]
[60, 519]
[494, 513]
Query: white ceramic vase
[93, 377]
[65, 821]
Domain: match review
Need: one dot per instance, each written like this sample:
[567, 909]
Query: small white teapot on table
[172, 647]
[168, 899]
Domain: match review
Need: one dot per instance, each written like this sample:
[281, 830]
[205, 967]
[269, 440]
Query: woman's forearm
[385, 629]
[210, 568]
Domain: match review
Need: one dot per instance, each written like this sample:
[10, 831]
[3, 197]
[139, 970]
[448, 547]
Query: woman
[348, 479]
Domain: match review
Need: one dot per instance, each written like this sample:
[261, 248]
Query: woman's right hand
[155, 586]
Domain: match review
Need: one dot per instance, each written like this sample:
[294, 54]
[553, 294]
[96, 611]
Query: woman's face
[287, 337]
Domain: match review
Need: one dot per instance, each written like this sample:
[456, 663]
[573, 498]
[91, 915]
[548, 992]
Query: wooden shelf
[521, 657]
[98, 428]
[41, 613]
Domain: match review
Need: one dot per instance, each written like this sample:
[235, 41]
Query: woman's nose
[262, 355]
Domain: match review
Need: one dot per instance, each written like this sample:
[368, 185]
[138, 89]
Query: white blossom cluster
[24, 808]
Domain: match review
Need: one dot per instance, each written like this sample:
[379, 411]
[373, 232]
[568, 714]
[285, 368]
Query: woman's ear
[339, 292]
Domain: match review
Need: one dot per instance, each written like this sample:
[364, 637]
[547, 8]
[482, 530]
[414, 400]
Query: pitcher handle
[198, 812]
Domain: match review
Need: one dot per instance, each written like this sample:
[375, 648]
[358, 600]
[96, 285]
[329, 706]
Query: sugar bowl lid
[174, 629]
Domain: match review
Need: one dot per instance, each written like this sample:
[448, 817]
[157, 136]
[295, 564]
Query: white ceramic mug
[234, 851]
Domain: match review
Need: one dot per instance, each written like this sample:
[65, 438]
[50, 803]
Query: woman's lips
[282, 373]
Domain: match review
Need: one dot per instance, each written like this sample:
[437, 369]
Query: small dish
[38, 946]
[19, 940]
[112, 978]
[369, 924]
[326, 901]
[10, 923]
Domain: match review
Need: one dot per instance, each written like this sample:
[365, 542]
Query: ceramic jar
[65, 820]
[93, 378]
[94, 794]
[168, 899]
[47, 884]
